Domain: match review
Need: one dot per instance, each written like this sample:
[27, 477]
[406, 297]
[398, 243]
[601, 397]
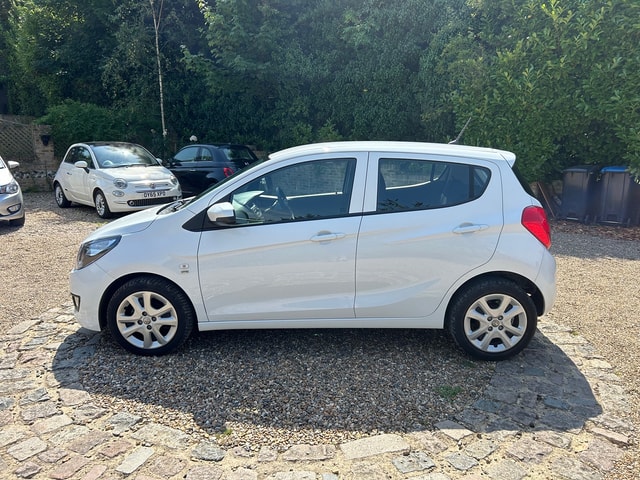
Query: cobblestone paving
[555, 411]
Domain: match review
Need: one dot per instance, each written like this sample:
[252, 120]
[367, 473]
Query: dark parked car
[200, 166]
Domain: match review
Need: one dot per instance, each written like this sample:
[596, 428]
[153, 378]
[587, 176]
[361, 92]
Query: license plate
[154, 194]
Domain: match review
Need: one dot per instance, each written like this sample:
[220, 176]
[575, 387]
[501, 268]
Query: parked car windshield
[238, 153]
[113, 156]
[187, 201]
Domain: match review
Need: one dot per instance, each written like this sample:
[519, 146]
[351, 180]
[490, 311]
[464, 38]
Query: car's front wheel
[492, 319]
[150, 316]
[61, 198]
[102, 207]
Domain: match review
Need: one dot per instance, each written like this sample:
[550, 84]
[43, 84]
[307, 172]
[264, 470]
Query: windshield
[123, 155]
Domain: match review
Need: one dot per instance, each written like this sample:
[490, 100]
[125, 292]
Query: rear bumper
[546, 281]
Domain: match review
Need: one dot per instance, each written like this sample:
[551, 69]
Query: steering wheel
[282, 199]
[249, 210]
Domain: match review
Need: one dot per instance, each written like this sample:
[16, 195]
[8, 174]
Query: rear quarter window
[525, 185]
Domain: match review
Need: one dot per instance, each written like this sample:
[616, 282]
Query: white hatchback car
[335, 235]
[11, 201]
[113, 177]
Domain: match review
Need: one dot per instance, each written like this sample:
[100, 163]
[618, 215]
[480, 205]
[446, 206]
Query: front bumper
[11, 206]
[131, 203]
[87, 288]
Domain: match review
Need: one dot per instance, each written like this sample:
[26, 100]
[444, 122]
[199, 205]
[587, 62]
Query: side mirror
[12, 164]
[222, 213]
[81, 164]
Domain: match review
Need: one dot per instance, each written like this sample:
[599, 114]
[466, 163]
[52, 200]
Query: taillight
[228, 171]
[535, 220]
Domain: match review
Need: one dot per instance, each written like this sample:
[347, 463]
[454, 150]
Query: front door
[79, 178]
[291, 254]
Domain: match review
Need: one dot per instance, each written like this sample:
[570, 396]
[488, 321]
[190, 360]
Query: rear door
[430, 221]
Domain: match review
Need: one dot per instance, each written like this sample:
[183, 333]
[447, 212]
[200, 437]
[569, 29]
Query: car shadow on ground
[542, 389]
[362, 381]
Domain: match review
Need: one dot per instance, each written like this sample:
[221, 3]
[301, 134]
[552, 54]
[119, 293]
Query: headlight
[174, 180]
[10, 188]
[120, 183]
[94, 250]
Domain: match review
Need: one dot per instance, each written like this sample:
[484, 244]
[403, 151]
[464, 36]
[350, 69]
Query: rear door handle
[469, 228]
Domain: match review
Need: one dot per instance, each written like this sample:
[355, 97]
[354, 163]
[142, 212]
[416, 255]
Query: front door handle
[327, 236]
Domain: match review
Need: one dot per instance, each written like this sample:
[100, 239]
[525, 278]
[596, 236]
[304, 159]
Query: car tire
[102, 207]
[61, 198]
[492, 319]
[150, 316]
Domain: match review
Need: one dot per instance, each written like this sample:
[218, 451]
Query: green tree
[57, 49]
[74, 121]
[537, 79]
[300, 66]
[130, 74]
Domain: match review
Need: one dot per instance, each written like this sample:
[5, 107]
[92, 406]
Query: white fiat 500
[113, 177]
[334, 235]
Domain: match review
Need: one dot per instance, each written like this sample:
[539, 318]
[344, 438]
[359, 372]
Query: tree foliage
[539, 81]
[557, 81]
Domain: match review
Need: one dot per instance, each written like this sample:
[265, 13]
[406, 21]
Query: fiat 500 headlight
[120, 183]
[95, 249]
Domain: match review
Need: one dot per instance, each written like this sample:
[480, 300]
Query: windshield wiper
[173, 207]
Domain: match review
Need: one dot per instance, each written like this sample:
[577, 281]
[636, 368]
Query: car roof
[397, 147]
[100, 143]
[216, 145]
[104, 143]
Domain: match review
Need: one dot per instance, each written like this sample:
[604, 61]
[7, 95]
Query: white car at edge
[335, 235]
[11, 201]
[113, 177]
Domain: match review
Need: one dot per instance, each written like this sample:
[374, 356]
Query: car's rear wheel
[150, 316]
[492, 319]
[102, 207]
[61, 198]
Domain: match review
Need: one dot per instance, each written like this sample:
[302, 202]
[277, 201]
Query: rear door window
[409, 184]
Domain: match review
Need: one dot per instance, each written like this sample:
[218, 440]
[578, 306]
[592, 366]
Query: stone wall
[31, 145]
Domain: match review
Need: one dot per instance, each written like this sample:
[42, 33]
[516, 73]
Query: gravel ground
[319, 386]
